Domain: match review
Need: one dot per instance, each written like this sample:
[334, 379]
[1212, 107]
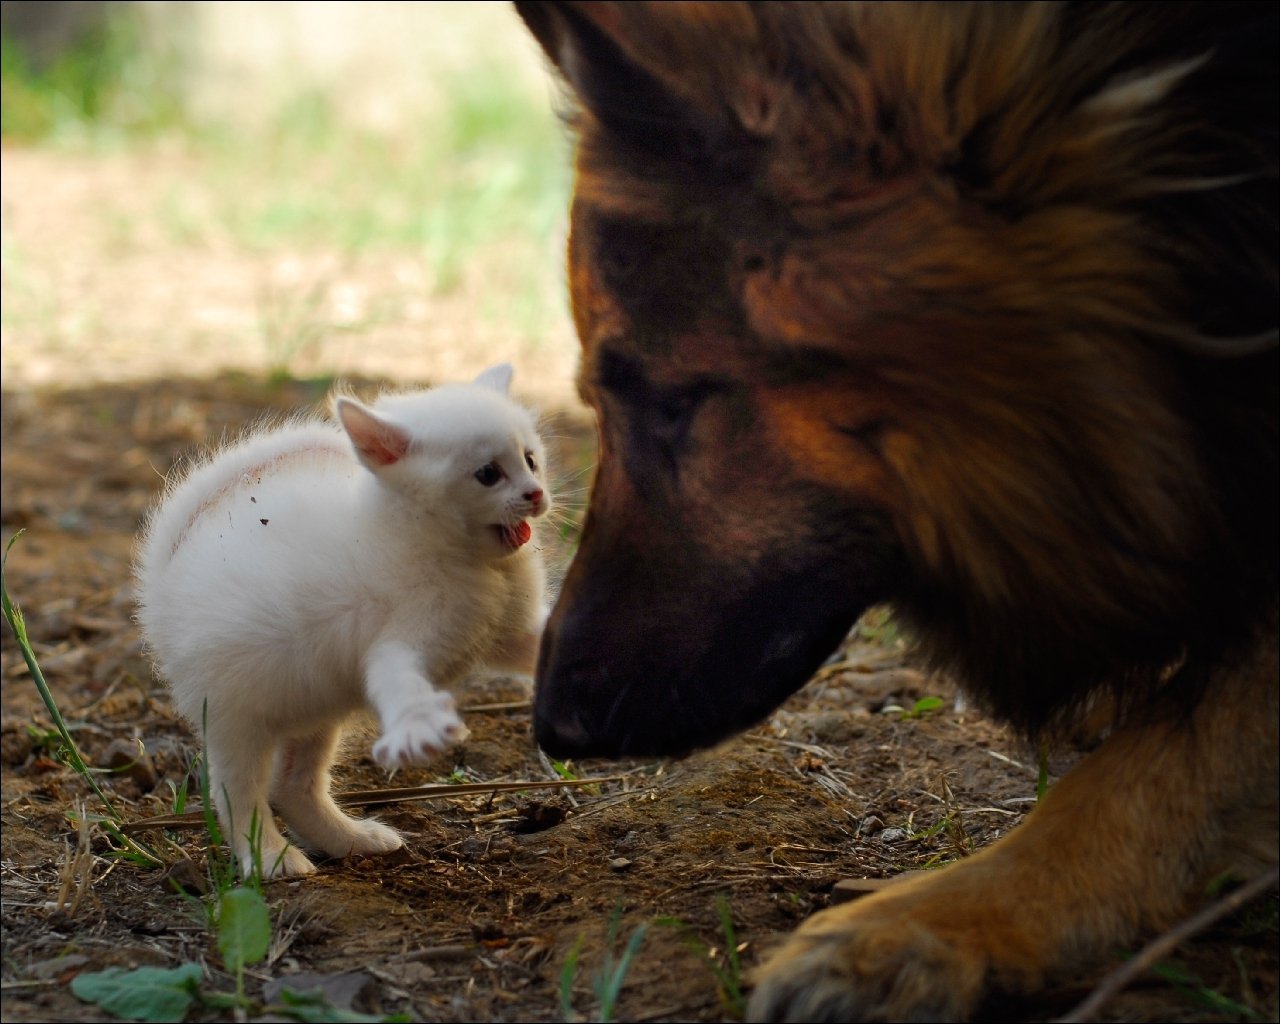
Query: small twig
[808, 748]
[834, 669]
[1166, 943]
[550, 769]
[1008, 760]
[449, 951]
[76, 872]
[371, 797]
[604, 803]
[503, 705]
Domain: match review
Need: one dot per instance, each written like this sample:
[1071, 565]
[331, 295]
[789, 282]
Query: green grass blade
[567, 973]
[612, 976]
[1197, 992]
[1042, 773]
[13, 615]
[730, 978]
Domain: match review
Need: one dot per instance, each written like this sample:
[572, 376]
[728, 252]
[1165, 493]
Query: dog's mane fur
[1082, 230]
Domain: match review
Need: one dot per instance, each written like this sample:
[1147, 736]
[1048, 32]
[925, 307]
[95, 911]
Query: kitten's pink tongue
[517, 536]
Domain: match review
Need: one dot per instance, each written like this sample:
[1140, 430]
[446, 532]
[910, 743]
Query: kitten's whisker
[578, 473]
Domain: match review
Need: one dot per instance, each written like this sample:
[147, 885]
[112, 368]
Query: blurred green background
[292, 188]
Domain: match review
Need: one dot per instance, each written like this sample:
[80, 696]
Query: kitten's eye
[531, 462]
[489, 474]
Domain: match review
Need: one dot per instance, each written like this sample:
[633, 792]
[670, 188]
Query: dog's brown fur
[971, 308]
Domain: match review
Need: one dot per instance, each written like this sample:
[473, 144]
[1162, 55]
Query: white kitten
[309, 571]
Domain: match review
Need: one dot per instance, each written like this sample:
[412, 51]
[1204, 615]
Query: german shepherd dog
[972, 309]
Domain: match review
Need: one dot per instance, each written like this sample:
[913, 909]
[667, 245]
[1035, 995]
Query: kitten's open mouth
[515, 535]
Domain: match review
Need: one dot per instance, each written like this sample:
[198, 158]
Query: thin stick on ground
[371, 797]
[1166, 943]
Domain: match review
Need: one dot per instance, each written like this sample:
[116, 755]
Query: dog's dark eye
[531, 462]
[489, 474]
[658, 419]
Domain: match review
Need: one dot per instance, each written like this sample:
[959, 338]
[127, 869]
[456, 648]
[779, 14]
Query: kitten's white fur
[303, 573]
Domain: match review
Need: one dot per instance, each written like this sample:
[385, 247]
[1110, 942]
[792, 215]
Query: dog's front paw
[931, 947]
[421, 732]
[868, 969]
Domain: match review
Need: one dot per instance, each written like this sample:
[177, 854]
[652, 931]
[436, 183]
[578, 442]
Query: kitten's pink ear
[497, 377]
[378, 442]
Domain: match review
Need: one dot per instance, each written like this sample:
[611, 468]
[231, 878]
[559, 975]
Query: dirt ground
[478, 917]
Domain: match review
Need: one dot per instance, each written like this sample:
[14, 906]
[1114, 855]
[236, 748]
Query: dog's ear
[663, 77]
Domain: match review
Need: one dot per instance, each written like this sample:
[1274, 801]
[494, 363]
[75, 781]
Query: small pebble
[187, 877]
[133, 761]
[15, 746]
[342, 989]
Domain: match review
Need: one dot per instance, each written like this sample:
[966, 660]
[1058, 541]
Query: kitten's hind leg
[418, 721]
[239, 773]
[300, 791]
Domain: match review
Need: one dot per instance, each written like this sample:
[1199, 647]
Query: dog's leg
[1117, 846]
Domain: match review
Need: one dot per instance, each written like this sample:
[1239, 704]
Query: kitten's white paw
[324, 827]
[285, 862]
[373, 837]
[420, 733]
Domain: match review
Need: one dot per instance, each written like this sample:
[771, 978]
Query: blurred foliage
[466, 172]
[479, 179]
[89, 77]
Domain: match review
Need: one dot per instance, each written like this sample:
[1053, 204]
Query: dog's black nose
[576, 713]
[563, 737]
[564, 719]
